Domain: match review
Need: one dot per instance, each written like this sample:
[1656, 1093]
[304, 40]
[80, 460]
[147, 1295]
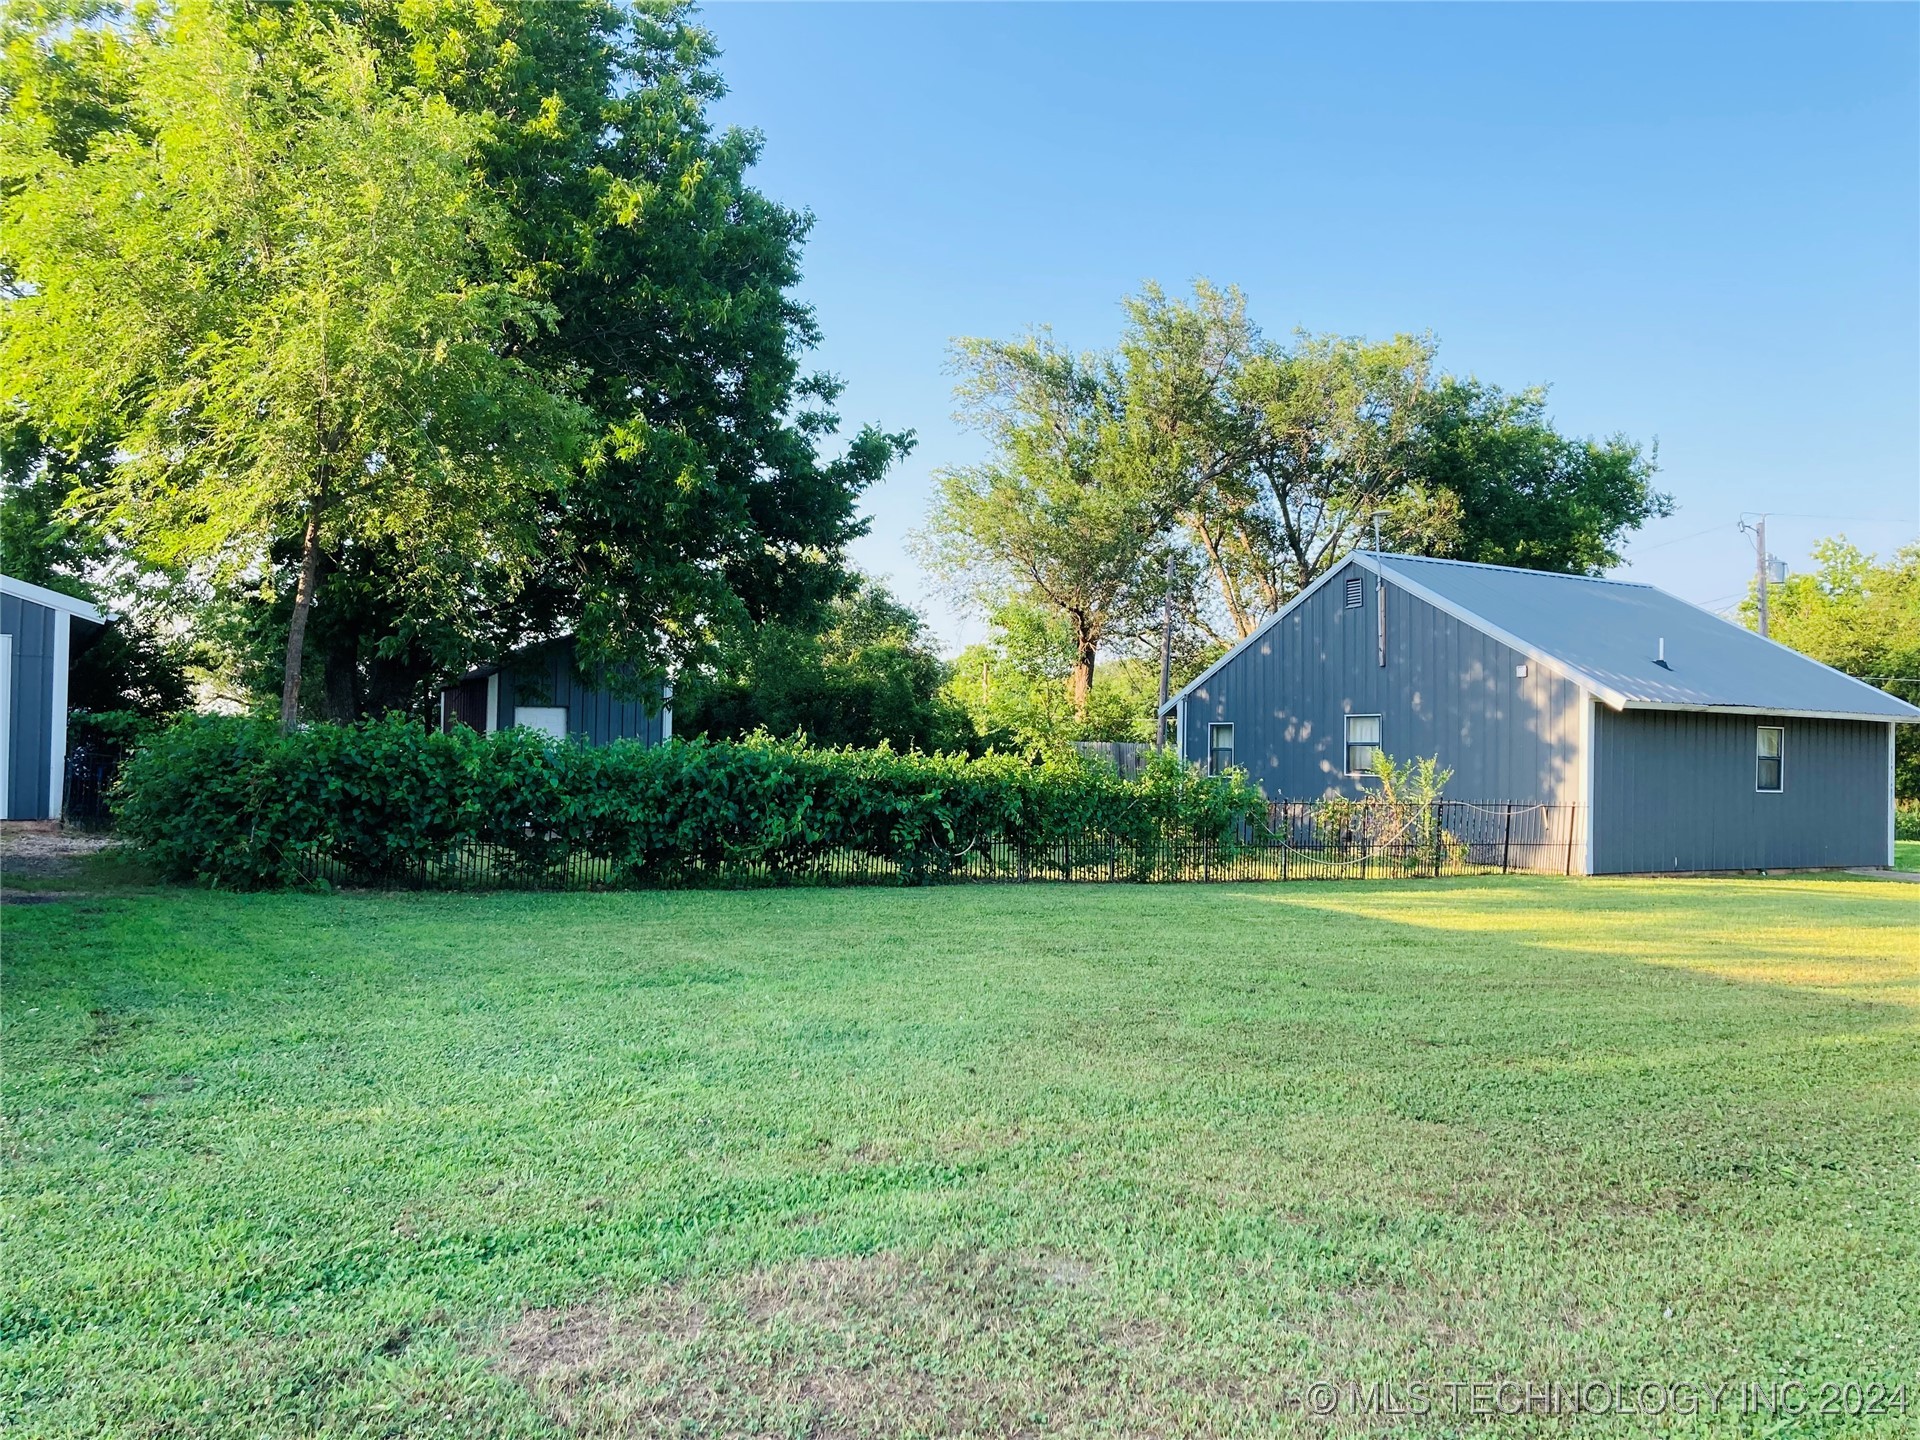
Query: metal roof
[1606, 636]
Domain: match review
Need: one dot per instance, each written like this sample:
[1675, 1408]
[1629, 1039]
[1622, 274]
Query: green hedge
[1906, 820]
[236, 803]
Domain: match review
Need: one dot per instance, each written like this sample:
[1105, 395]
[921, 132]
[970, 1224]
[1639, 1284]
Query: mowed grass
[1906, 854]
[1025, 1160]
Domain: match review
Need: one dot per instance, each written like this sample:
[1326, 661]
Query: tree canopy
[1063, 516]
[868, 675]
[1280, 456]
[1201, 463]
[479, 274]
[257, 286]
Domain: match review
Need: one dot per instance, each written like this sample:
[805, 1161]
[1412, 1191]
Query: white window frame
[1213, 749]
[1378, 744]
[1779, 758]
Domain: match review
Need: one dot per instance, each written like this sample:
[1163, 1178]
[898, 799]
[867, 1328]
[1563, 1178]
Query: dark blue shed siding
[595, 715]
[1674, 790]
[30, 703]
[1447, 689]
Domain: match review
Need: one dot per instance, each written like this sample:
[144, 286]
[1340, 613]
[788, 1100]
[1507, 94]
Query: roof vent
[1662, 661]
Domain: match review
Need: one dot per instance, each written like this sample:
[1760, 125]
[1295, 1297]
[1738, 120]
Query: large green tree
[703, 498]
[1063, 516]
[259, 287]
[1281, 456]
[1509, 489]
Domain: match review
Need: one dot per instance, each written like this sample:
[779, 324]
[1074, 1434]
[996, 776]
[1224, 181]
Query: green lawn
[1906, 854]
[1038, 1160]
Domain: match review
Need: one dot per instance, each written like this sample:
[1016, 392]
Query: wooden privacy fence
[1302, 840]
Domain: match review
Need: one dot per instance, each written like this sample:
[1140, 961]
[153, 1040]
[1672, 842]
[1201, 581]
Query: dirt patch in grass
[33, 849]
[954, 1343]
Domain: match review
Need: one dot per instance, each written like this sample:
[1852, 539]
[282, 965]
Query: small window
[549, 719]
[1363, 743]
[1770, 752]
[1219, 749]
[1356, 592]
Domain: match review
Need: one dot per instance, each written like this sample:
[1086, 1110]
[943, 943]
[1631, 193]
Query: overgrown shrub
[234, 802]
[1906, 820]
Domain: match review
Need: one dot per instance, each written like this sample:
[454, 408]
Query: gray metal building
[36, 650]
[1686, 742]
[540, 687]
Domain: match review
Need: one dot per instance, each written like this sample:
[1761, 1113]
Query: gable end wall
[1447, 689]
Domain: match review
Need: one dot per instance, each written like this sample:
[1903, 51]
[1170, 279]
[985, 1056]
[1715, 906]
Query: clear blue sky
[1697, 225]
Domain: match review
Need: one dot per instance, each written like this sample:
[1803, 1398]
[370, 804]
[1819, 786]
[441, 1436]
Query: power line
[1856, 519]
[1643, 549]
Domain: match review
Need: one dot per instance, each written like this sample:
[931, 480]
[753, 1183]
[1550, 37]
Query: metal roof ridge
[1516, 569]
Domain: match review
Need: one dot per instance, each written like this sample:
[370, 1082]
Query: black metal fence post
[1506, 840]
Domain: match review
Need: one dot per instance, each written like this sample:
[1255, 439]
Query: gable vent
[1356, 592]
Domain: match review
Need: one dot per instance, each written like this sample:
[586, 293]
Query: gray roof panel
[1607, 635]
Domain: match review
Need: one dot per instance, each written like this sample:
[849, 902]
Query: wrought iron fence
[1302, 840]
[92, 767]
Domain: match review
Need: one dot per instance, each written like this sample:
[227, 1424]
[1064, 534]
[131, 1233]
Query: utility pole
[1166, 654]
[1762, 565]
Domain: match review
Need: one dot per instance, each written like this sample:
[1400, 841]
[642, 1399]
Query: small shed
[36, 649]
[1672, 739]
[541, 687]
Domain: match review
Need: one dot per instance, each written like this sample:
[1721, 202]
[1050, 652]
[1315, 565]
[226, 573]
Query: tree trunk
[297, 631]
[1080, 687]
[1242, 622]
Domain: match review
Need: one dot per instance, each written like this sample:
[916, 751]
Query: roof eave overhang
[51, 599]
[1783, 711]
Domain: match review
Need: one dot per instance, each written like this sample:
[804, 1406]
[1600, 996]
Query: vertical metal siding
[1674, 790]
[31, 702]
[1446, 690]
[595, 716]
